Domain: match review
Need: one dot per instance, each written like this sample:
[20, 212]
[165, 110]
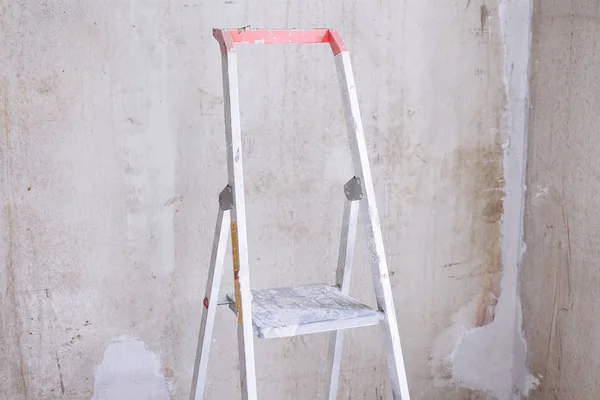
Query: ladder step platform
[298, 310]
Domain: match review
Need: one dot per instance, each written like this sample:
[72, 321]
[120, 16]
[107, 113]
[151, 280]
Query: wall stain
[17, 367]
[483, 193]
[47, 85]
[60, 376]
[173, 200]
[20, 385]
[483, 14]
[168, 372]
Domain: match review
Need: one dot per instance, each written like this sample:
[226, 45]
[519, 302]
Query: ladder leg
[381, 278]
[239, 240]
[215, 272]
[343, 276]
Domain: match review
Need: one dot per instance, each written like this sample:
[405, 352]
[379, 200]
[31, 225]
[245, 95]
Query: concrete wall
[113, 155]
[560, 278]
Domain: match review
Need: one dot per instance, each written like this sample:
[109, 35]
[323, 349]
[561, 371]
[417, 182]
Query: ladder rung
[299, 310]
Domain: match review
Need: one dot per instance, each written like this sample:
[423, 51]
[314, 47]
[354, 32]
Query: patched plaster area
[129, 370]
[491, 358]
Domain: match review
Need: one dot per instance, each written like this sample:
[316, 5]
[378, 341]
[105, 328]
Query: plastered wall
[113, 155]
[560, 276]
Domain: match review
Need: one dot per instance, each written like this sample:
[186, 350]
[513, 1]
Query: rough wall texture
[113, 155]
[561, 283]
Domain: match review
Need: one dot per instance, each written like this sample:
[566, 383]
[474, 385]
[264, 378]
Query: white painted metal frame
[381, 277]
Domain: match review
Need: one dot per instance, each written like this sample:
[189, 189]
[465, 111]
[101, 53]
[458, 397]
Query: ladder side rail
[347, 244]
[207, 324]
[239, 237]
[343, 276]
[381, 278]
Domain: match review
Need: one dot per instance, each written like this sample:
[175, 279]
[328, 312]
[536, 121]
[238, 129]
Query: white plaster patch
[440, 360]
[481, 358]
[130, 371]
[542, 192]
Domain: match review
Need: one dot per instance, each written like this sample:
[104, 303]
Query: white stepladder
[298, 310]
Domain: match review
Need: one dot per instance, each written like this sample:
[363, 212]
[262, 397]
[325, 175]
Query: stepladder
[305, 309]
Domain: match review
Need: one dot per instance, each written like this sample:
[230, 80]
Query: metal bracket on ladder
[298, 310]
